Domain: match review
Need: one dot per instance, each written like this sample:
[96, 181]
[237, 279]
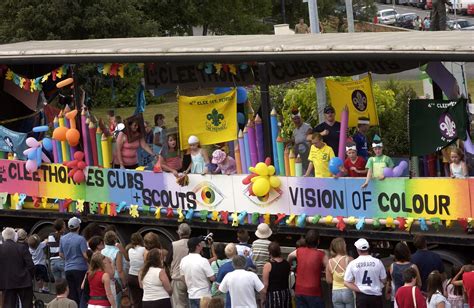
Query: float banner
[317, 196]
[161, 75]
[434, 124]
[50, 180]
[447, 199]
[379, 200]
[13, 142]
[357, 96]
[443, 198]
[212, 118]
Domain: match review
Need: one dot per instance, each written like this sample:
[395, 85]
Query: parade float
[66, 170]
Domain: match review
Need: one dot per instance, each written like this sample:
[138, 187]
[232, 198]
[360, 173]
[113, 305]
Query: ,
[405, 20]
[387, 17]
[459, 24]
